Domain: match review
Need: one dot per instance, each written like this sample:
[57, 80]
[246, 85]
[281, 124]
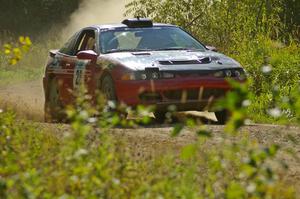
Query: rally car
[139, 62]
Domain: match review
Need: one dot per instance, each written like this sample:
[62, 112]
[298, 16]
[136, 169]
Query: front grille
[194, 94]
[221, 73]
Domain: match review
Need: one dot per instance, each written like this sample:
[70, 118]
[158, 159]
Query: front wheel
[108, 90]
[160, 116]
[222, 116]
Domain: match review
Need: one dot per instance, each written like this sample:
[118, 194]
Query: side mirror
[87, 55]
[212, 48]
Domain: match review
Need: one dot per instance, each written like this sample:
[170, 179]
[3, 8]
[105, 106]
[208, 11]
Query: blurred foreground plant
[236, 166]
[86, 161]
[15, 52]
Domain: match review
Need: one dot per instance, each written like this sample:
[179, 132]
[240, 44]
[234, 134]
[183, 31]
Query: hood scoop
[201, 60]
[141, 53]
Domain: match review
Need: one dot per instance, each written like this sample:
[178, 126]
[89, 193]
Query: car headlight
[166, 75]
[237, 73]
[219, 74]
[240, 74]
[134, 76]
[128, 76]
[143, 75]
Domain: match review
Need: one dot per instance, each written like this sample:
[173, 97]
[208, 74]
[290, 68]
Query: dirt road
[145, 142]
[26, 99]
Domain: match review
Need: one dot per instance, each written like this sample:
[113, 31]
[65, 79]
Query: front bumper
[185, 94]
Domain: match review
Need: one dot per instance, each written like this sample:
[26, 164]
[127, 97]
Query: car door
[71, 72]
[61, 69]
[85, 71]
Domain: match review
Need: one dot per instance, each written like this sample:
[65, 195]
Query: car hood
[172, 60]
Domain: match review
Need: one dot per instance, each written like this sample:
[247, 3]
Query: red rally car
[138, 62]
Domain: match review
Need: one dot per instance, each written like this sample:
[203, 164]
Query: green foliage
[87, 162]
[219, 23]
[274, 74]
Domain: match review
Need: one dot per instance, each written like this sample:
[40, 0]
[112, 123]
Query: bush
[87, 162]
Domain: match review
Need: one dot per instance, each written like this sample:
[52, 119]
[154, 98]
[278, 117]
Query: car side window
[86, 41]
[68, 48]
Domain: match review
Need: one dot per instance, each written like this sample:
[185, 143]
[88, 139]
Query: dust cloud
[93, 12]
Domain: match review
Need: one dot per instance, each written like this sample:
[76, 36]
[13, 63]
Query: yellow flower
[7, 51]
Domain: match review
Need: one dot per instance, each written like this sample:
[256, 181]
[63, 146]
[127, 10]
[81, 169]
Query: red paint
[127, 91]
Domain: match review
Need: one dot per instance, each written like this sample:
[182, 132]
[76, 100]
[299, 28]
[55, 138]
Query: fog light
[143, 76]
[154, 75]
[237, 73]
[228, 73]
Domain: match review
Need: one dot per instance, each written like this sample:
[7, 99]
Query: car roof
[115, 26]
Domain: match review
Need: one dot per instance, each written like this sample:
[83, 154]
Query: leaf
[188, 151]
[7, 51]
[177, 129]
[28, 41]
[204, 133]
[272, 150]
[13, 61]
[235, 191]
[21, 39]
[7, 46]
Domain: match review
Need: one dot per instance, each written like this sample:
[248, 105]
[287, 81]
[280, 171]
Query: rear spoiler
[53, 52]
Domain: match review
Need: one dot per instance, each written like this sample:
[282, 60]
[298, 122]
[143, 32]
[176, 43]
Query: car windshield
[147, 39]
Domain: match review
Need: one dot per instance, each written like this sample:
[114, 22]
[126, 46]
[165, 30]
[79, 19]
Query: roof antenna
[138, 17]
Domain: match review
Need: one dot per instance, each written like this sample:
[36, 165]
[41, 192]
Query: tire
[108, 90]
[160, 116]
[222, 116]
[53, 108]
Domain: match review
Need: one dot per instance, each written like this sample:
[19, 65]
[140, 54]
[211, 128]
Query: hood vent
[141, 53]
[201, 60]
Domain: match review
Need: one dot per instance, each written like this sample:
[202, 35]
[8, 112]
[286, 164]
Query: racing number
[79, 73]
[78, 77]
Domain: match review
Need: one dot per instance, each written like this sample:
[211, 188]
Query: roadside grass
[274, 72]
[19, 75]
[31, 66]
